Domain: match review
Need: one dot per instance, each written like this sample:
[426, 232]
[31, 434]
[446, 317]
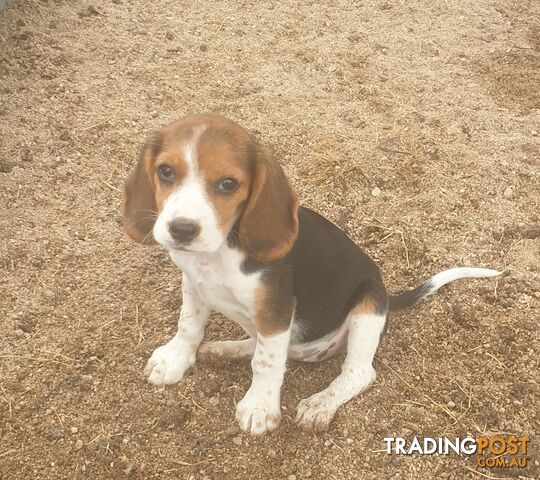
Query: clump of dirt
[512, 77]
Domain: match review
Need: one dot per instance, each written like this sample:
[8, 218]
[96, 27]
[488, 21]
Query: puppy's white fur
[357, 372]
[170, 362]
[260, 408]
[219, 283]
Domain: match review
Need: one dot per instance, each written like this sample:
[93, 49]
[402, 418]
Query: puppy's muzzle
[184, 230]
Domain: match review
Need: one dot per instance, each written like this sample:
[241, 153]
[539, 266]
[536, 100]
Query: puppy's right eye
[165, 173]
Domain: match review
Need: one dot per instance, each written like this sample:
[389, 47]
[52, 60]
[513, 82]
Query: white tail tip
[448, 276]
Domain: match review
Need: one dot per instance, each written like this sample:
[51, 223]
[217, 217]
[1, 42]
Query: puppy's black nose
[183, 230]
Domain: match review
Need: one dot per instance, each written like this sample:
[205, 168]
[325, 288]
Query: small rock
[91, 10]
[237, 440]
[26, 155]
[232, 431]
[451, 404]
[78, 444]
[376, 192]
[291, 477]
[272, 453]
[5, 166]
[534, 133]
[214, 401]
[327, 443]
[530, 233]
[508, 192]
[74, 429]
[428, 49]
[173, 417]
[26, 327]
[56, 432]
[203, 48]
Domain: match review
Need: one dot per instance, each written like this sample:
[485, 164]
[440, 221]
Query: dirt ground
[412, 125]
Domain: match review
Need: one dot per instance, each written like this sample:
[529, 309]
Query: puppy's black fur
[330, 275]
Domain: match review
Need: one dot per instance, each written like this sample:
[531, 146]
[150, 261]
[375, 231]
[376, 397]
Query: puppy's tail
[407, 299]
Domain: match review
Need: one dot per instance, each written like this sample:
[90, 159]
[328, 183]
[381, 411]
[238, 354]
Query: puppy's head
[202, 176]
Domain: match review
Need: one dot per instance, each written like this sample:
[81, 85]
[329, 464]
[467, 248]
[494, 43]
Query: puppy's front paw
[257, 413]
[169, 364]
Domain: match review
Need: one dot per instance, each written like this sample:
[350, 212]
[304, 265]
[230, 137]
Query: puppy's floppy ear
[269, 224]
[140, 209]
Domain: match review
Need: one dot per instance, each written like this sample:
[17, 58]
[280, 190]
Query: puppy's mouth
[180, 248]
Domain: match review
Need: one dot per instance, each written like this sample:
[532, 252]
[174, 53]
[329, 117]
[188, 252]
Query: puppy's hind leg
[226, 350]
[366, 323]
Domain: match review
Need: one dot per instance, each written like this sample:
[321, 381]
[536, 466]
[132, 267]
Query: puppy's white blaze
[190, 149]
[447, 276]
[189, 200]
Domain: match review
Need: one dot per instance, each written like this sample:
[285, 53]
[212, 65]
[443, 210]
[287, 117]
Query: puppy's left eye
[227, 185]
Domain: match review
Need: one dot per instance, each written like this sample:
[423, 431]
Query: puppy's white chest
[215, 286]
[220, 281]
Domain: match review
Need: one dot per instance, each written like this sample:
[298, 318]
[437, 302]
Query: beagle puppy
[220, 204]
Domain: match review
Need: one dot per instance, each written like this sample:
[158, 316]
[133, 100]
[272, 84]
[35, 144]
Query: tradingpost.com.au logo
[496, 452]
